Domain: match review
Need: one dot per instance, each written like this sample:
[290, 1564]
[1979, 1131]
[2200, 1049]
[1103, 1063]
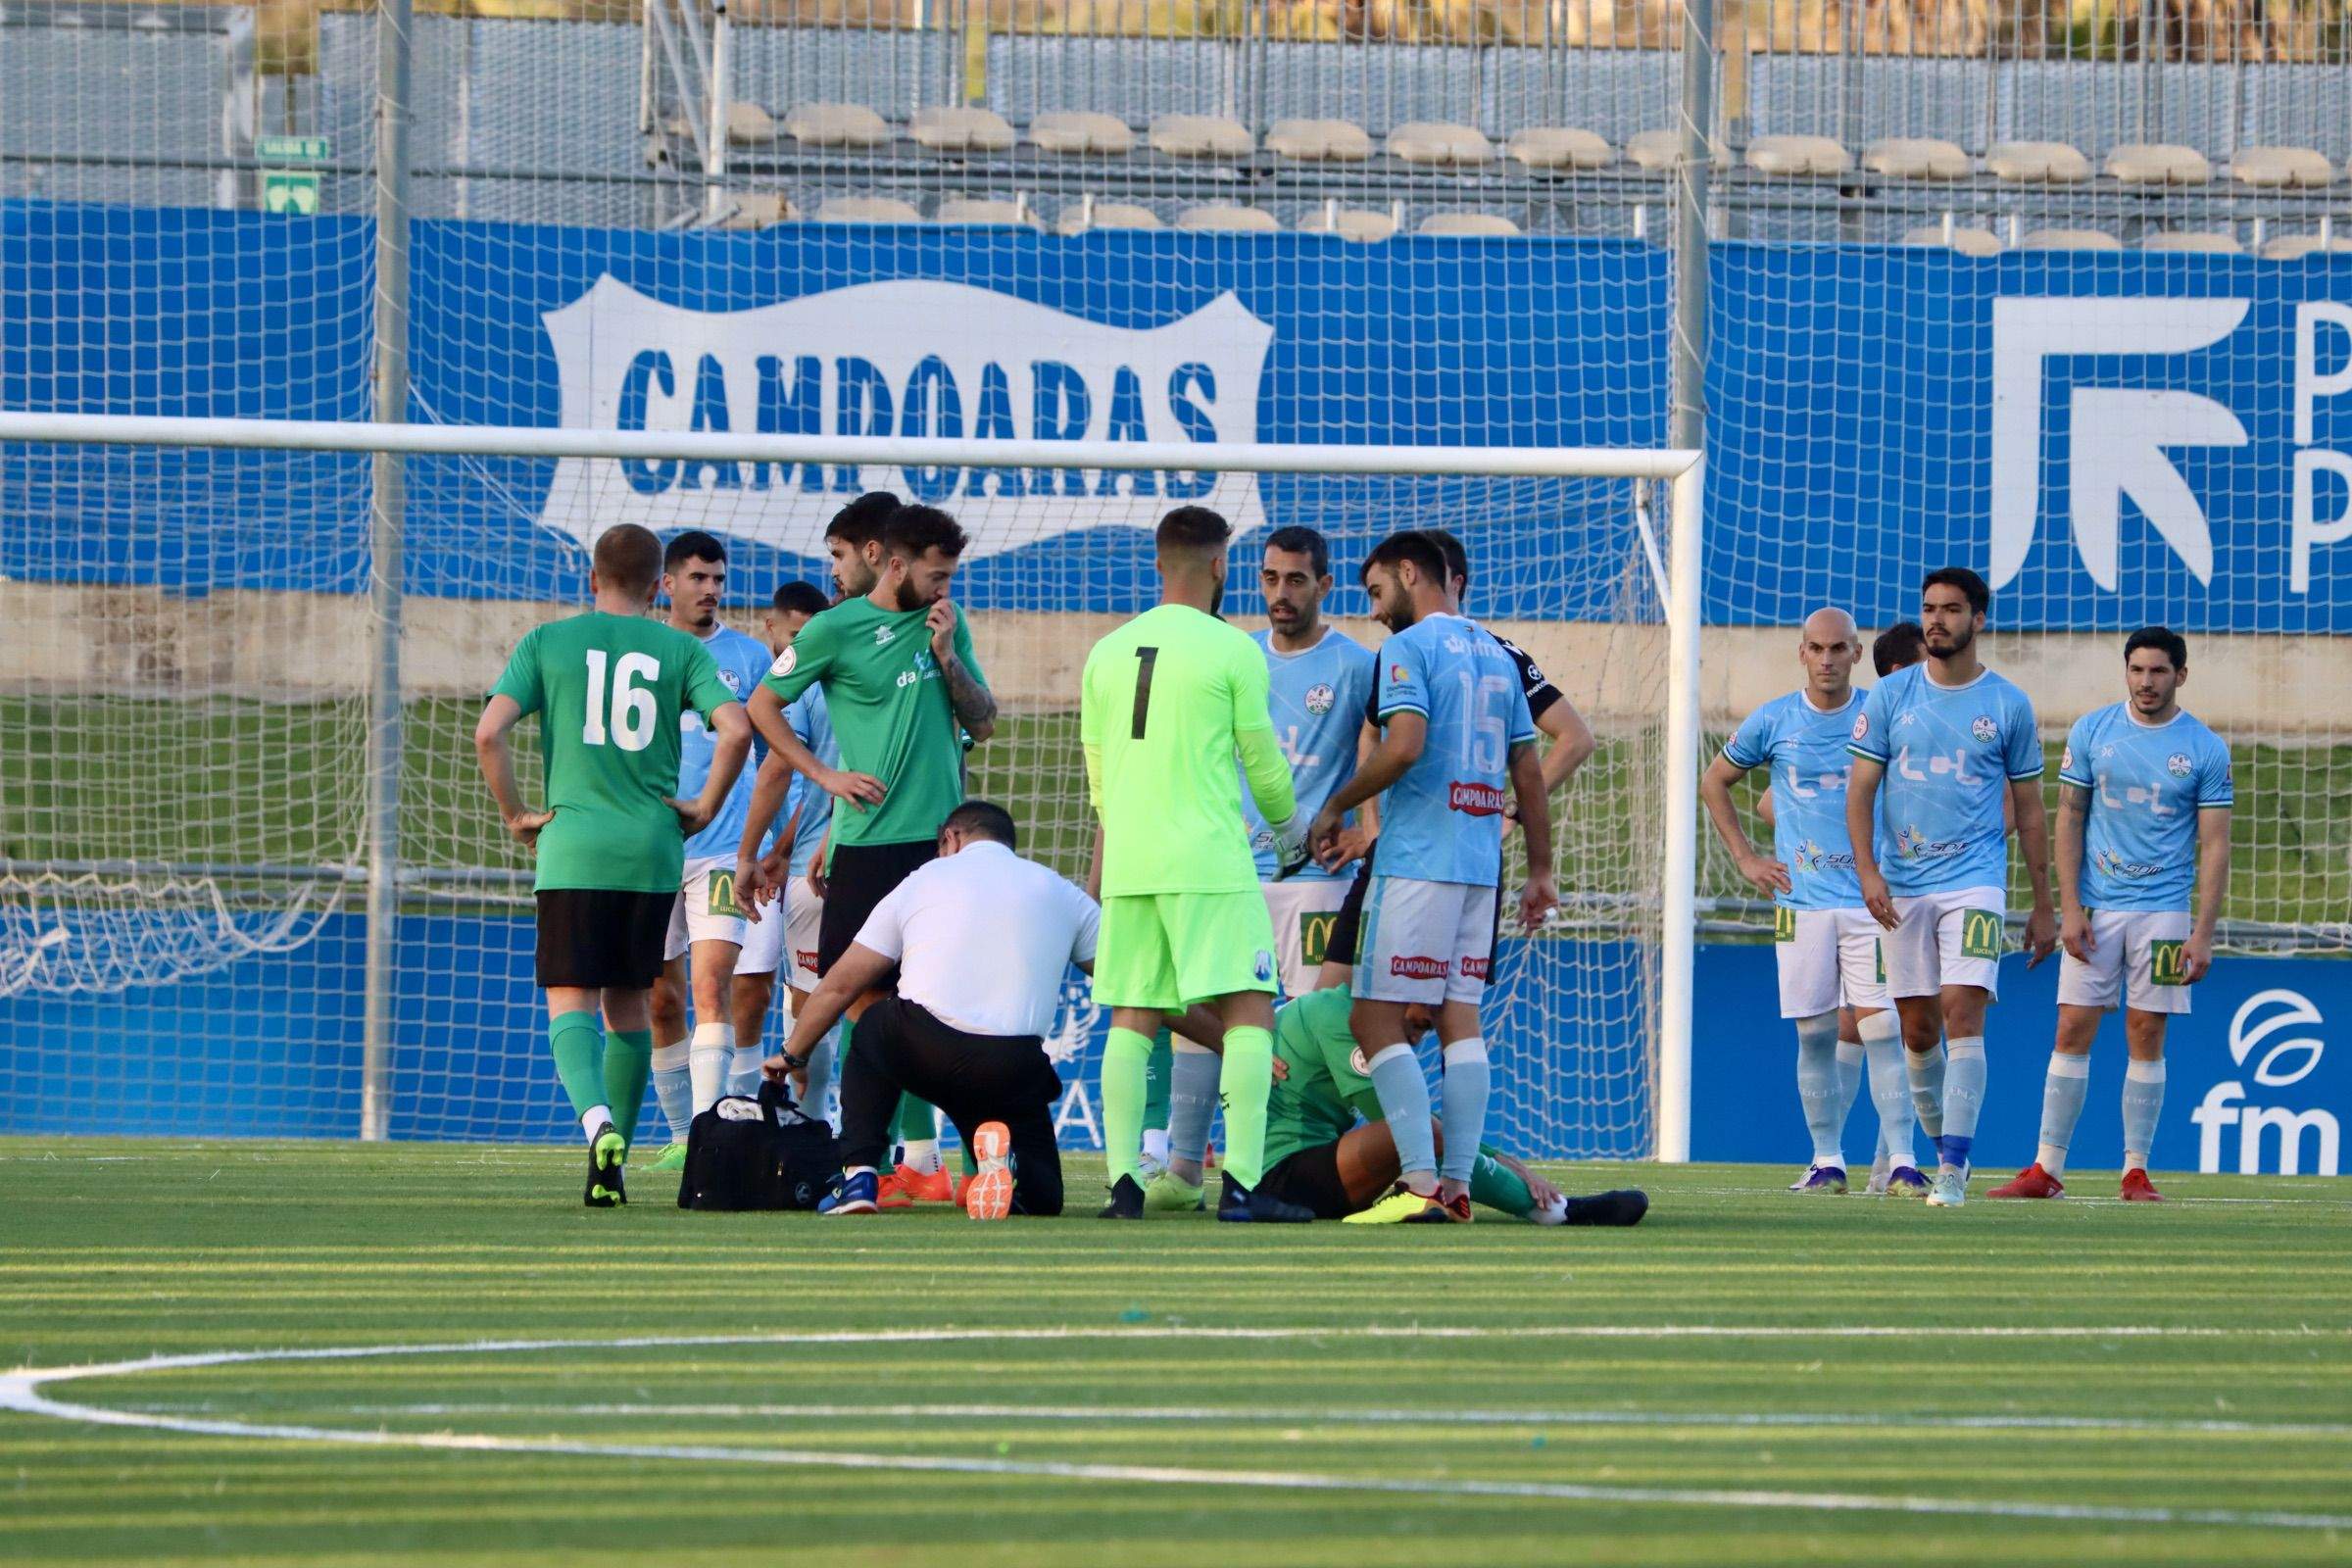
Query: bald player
[1826, 941]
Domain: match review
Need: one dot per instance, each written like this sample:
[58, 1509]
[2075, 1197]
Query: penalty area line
[21, 1391]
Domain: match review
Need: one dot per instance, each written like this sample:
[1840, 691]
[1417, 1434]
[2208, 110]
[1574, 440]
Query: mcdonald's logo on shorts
[1314, 934]
[1980, 932]
[720, 896]
[1784, 924]
[2168, 964]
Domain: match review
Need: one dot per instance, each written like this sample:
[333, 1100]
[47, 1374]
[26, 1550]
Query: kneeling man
[980, 939]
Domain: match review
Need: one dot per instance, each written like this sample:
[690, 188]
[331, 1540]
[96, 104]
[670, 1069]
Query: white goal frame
[1682, 470]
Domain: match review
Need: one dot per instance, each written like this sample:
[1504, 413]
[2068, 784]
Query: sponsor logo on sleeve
[1861, 725]
[1475, 800]
[2066, 758]
[1398, 672]
[785, 661]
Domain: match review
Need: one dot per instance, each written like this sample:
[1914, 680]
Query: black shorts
[1341, 946]
[1310, 1177]
[598, 937]
[859, 877]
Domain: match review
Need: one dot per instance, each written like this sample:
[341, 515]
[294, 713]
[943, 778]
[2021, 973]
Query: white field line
[22, 1392]
[1295, 1417]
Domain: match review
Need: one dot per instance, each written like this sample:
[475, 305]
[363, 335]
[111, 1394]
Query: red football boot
[2138, 1188]
[2032, 1182]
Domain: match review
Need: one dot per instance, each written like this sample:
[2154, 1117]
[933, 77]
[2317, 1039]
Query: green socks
[1126, 1067]
[1156, 1102]
[577, 1042]
[1246, 1079]
[1498, 1188]
[628, 1068]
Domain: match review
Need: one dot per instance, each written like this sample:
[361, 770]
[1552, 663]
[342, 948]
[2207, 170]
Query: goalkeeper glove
[1290, 853]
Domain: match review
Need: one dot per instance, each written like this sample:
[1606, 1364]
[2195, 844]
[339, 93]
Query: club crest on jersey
[733, 679]
[883, 634]
[1474, 800]
[2176, 764]
[1264, 969]
[784, 662]
[1983, 729]
[1319, 697]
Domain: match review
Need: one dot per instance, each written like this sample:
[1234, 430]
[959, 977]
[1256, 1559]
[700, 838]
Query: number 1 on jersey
[1145, 657]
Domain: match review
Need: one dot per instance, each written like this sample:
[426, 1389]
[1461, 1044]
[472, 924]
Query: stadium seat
[1660, 150]
[2158, 163]
[1439, 144]
[1234, 220]
[1467, 224]
[1558, 147]
[2069, 239]
[2275, 166]
[867, 210]
[1080, 133]
[983, 211]
[1081, 215]
[836, 126]
[1349, 222]
[757, 209]
[1917, 158]
[1797, 155]
[2037, 163]
[947, 128]
[2292, 247]
[1319, 141]
[1967, 241]
[2184, 240]
[1201, 136]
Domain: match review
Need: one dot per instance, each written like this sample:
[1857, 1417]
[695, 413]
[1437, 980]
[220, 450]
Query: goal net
[185, 910]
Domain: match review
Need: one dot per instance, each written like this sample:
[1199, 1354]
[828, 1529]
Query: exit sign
[291, 149]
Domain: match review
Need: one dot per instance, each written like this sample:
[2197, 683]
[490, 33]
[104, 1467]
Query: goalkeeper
[1319, 1157]
[1165, 703]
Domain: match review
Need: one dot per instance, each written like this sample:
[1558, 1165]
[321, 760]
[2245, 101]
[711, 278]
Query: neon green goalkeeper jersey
[891, 713]
[608, 691]
[1326, 1090]
[1165, 703]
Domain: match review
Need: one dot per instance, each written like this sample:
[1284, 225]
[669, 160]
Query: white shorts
[806, 914]
[1949, 938]
[764, 942]
[1827, 958]
[1304, 912]
[2135, 960]
[704, 910]
[1428, 942]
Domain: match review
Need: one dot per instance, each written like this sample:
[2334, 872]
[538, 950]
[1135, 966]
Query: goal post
[1604, 998]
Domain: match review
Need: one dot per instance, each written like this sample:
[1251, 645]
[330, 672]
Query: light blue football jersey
[742, 662]
[1443, 820]
[1804, 747]
[2147, 783]
[1950, 753]
[1317, 698]
[813, 722]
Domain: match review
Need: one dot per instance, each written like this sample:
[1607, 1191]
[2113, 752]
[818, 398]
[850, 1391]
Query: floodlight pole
[386, 525]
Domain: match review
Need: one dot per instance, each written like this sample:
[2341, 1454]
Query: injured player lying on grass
[1319, 1156]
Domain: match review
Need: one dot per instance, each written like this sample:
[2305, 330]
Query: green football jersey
[1162, 704]
[1326, 1090]
[608, 691]
[891, 714]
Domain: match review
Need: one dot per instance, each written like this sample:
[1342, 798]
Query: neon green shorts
[1171, 949]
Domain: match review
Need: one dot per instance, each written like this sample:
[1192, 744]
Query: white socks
[707, 1055]
[673, 1087]
[2062, 1095]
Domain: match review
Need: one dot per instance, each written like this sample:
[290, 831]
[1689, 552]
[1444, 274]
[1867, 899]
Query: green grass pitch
[1747, 1378]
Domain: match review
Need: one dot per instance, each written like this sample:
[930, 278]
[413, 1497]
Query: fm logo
[2279, 1065]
